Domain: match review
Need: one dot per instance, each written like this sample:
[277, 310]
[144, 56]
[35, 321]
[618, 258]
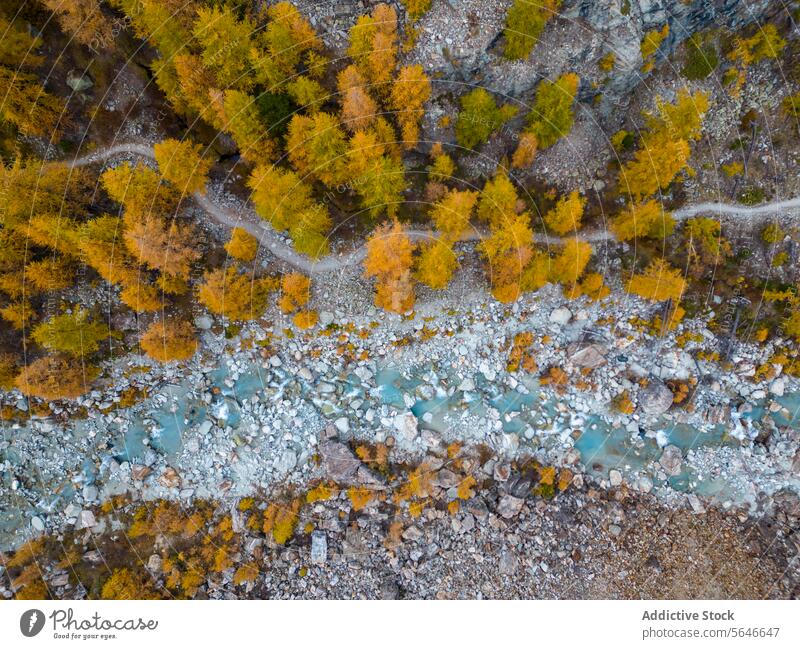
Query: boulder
[656, 398]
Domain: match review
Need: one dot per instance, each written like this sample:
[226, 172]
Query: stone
[696, 504]
[170, 478]
[342, 424]
[205, 427]
[671, 460]
[287, 461]
[467, 385]
[338, 461]
[778, 387]
[406, 425]
[154, 564]
[325, 318]
[560, 316]
[140, 471]
[37, 524]
[508, 563]
[644, 484]
[509, 506]
[203, 322]
[85, 519]
[615, 478]
[319, 548]
[656, 398]
[590, 356]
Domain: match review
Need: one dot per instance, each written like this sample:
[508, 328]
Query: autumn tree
[526, 150]
[55, 377]
[72, 332]
[378, 178]
[168, 246]
[436, 264]
[358, 108]
[242, 245]
[650, 45]
[373, 47]
[479, 117]
[551, 117]
[310, 230]
[389, 260]
[410, 91]
[705, 244]
[566, 215]
[182, 164]
[443, 166]
[85, 20]
[508, 250]
[683, 118]
[316, 146]
[140, 190]
[233, 295]
[658, 282]
[498, 201]
[25, 103]
[295, 292]
[169, 340]
[451, 214]
[240, 118]
[642, 220]
[525, 22]
[655, 165]
[568, 265]
[225, 43]
[287, 42]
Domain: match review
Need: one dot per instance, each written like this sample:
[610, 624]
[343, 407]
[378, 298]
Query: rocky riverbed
[251, 410]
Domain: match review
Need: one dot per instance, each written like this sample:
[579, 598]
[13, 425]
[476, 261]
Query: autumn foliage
[389, 260]
[169, 340]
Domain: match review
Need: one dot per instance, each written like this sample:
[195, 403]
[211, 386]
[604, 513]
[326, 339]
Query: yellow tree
[566, 215]
[452, 213]
[655, 164]
[233, 295]
[639, 220]
[508, 251]
[373, 47]
[169, 340]
[658, 282]
[358, 108]
[567, 267]
[295, 292]
[73, 333]
[85, 20]
[25, 103]
[225, 43]
[278, 195]
[551, 117]
[242, 245]
[436, 264]
[498, 201]
[166, 246]
[242, 121]
[389, 260]
[182, 164]
[410, 91]
[55, 377]
[316, 145]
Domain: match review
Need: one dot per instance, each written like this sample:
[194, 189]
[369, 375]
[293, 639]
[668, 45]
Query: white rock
[615, 478]
[319, 547]
[778, 387]
[85, 519]
[406, 426]
[342, 424]
[561, 316]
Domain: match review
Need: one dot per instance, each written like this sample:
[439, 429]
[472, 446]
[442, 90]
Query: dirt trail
[248, 220]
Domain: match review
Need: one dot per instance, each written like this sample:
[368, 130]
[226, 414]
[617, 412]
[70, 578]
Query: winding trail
[248, 220]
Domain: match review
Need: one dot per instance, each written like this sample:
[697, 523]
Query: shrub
[701, 58]
[295, 292]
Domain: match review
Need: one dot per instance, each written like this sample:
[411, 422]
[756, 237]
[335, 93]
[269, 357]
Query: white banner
[399, 624]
